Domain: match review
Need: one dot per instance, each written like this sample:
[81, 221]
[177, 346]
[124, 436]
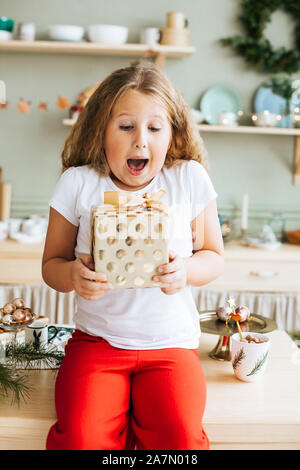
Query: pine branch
[17, 385]
[259, 364]
[238, 358]
[26, 355]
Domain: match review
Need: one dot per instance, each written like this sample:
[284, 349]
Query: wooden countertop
[239, 415]
[259, 415]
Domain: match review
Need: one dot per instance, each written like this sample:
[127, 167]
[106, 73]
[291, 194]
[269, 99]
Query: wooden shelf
[266, 131]
[159, 52]
[249, 130]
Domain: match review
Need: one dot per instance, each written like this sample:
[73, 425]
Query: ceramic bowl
[108, 34]
[61, 32]
[265, 119]
[226, 118]
[5, 35]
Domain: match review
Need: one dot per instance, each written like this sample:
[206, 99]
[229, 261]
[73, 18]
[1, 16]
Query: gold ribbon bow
[121, 201]
[124, 200]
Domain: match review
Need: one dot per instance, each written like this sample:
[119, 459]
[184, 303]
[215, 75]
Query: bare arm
[207, 262]
[61, 270]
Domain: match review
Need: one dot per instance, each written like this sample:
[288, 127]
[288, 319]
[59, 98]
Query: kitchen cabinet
[259, 270]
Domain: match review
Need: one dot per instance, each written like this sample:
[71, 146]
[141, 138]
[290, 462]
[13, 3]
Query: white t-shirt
[141, 318]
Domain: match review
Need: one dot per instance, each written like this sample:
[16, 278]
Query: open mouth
[136, 165]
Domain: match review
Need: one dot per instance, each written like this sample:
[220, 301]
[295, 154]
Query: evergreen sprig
[257, 49]
[17, 385]
[238, 358]
[26, 356]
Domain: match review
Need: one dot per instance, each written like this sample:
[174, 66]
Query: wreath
[257, 49]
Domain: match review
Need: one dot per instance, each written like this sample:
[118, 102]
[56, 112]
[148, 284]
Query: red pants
[111, 398]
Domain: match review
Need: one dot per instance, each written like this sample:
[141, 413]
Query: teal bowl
[6, 24]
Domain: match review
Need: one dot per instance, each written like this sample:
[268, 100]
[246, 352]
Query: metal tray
[210, 323]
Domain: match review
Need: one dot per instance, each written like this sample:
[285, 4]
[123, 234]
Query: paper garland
[24, 106]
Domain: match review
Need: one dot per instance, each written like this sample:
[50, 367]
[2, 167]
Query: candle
[244, 223]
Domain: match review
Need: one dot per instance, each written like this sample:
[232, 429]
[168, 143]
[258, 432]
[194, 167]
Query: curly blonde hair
[85, 143]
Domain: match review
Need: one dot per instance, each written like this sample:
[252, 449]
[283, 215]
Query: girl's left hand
[174, 273]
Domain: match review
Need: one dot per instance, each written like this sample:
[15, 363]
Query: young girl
[131, 377]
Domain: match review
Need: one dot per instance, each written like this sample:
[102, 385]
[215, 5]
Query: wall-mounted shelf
[262, 130]
[158, 52]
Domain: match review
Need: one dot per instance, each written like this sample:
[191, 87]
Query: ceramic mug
[37, 333]
[26, 31]
[249, 360]
[150, 36]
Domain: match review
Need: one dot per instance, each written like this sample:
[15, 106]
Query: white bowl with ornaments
[249, 356]
[108, 34]
[266, 119]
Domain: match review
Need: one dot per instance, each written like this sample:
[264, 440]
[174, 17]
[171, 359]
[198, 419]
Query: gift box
[129, 238]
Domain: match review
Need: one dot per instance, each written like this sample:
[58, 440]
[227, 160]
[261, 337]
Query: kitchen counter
[239, 415]
[246, 268]
[20, 262]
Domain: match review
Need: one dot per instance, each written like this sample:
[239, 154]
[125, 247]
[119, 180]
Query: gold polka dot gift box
[129, 238]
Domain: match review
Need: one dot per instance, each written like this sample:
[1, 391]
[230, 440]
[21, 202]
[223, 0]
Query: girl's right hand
[86, 282]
